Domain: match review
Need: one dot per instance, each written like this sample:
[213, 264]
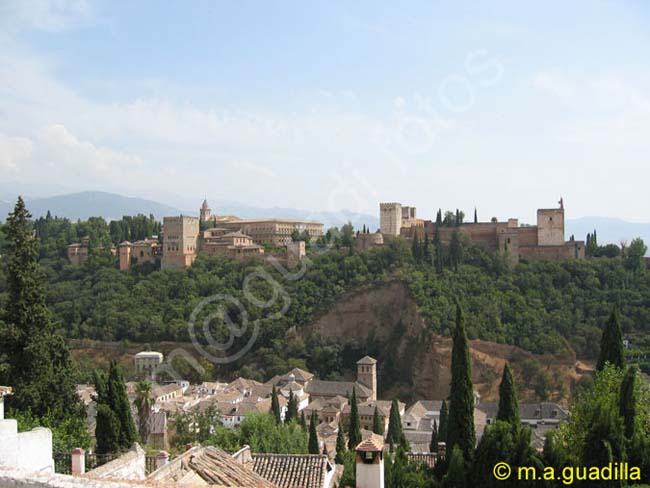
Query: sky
[505, 106]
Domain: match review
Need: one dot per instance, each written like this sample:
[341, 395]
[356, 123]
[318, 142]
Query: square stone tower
[390, 218]
[367, 374]
[180, 242]
[550, 227]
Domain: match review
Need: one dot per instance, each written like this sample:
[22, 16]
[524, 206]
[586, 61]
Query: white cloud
[62, 150]
[554, 83]
[48, 15]
[600, 112]
[13, 150]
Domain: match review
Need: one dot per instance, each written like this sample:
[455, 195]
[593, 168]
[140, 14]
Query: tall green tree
[455, 250]
[275, 406]
[502, 442]
[627, 401]
[456, 475]
[460, 427]
[303, 421]
[292, 408]
[37, 360]
[433, 443]
[340, 446]
[611, 343]
[314, 447]
[119, 403]
[395, 435]
[107, 430]
[634, 255]
[508, 403]
[354, 429]
[416, 249]
[377, 424]
[442, 425]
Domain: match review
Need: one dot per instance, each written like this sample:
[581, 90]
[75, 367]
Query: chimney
[162, 458]
[370, 462]
[78, 461]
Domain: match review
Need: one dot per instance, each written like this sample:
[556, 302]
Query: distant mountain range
[113, 206]
[608, 230]
[90, 204]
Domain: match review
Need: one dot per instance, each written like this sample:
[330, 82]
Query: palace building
[544, 241]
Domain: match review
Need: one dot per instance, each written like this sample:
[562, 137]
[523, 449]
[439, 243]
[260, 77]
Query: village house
[147, 363]
[540, 417]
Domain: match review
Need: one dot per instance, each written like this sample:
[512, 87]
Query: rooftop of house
[159, 391]
[149, 355]
[367, 360]
[5, 390]
[528, 411]
[299, 375]
[242, 384]
[333, 388]
[293, 470]
[209, 466]
[368, 408]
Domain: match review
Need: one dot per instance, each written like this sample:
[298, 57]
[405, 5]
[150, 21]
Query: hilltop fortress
[544, 241]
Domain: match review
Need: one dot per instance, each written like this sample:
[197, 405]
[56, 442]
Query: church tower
[367, 374]
[206, 213]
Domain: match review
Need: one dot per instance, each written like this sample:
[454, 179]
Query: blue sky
[501, 105]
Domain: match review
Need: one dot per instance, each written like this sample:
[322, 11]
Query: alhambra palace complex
[240, 239]
[544, 241]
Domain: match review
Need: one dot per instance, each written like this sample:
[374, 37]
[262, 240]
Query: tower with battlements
[180, 241]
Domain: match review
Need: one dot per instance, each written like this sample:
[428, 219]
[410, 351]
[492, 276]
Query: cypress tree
[313, 436]
[611, 344]
[37, 359]
[426, 249]
[508, 403]
[442, 426]
[460, 426]
[415, 248]
[303, 421]
[101, 387]
[433, 444]
[627, 401]
[292, 408]
[340, 446]
[275, 406]
[395, 434]
[456, 471]
[437, 247]
[118, 402]
[455, 250]
[377, 424]
[107, 430]
[354, 430]
[475, 216]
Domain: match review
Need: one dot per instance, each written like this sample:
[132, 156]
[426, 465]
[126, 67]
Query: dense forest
[543, 307]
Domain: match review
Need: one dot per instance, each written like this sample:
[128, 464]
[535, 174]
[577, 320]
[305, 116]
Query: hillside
[415, 363]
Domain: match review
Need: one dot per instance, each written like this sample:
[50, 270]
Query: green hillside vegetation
[542, 307]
